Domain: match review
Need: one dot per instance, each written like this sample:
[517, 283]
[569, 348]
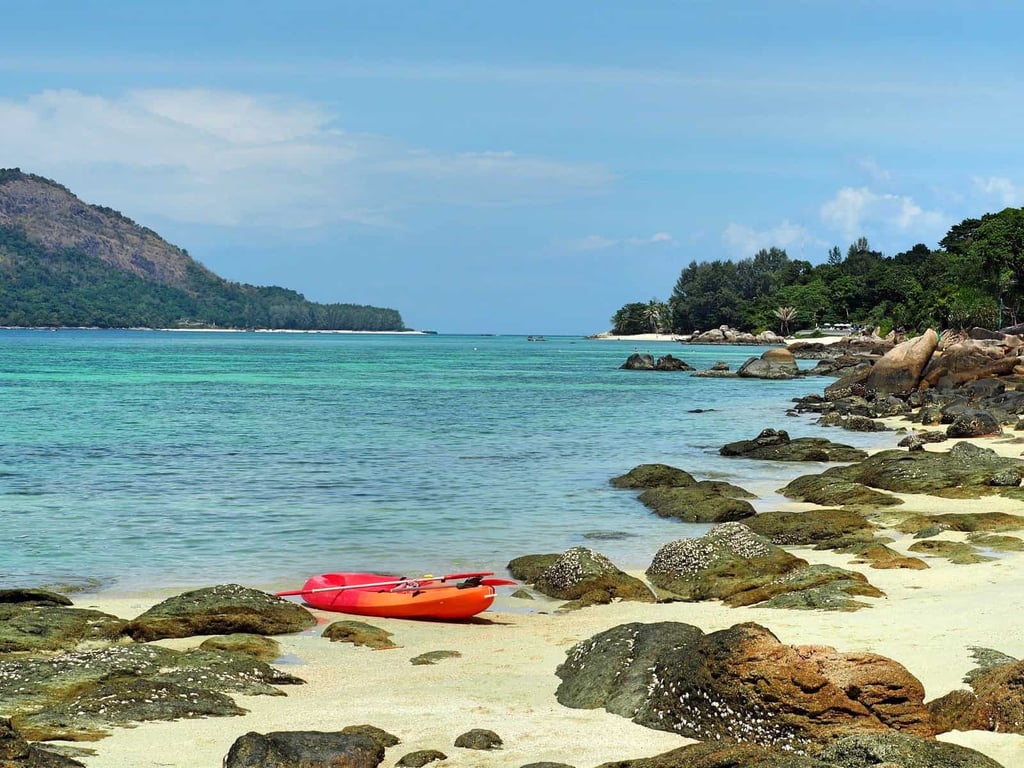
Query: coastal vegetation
[974, 278]
[64, 263]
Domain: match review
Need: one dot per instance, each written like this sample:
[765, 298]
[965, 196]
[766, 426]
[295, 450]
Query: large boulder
[41, 626]
[220, 610]
[893, 748]
[973, 423]
[773, 364]
[776, 445]
[304, 749]
[994, 703]
[967, 361]
[639, 361]
[652, 476]
[900, 369]
[817, 527]
[17, 752]
[704, 502]
[589, 578]
[741, 685]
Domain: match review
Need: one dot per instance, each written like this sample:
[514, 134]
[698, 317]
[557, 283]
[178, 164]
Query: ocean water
[144, 459]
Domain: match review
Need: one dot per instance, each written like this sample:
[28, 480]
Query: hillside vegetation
[64, 263]
[974, 278]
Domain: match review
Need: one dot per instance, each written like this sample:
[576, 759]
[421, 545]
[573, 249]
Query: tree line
[41, 287]
[974, 278]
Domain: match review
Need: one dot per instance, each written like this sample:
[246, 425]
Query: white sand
[505, 679]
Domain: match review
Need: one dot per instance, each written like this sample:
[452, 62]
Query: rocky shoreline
[875, 618]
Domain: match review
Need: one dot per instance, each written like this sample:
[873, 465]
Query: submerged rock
[654, 476]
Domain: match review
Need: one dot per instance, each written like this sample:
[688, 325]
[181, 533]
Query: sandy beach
[505, 678]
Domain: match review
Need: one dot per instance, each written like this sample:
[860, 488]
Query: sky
[525, 167]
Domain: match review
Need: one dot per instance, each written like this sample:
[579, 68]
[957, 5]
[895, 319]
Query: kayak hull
[408, 600]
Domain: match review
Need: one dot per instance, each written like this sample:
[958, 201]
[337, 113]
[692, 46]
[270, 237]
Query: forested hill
[974, 278]
[66, 263]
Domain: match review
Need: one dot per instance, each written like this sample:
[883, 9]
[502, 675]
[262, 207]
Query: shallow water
[147, 458]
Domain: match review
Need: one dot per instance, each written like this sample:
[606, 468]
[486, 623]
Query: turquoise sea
[144, 459]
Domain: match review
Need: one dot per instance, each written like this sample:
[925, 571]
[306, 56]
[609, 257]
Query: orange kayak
[371, 594]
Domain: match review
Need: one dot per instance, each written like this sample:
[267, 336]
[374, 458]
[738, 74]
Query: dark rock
[670, 363]
[835, 491]
[653, 476]
[16, 752]
[580, 574]
[479, 738]
[815, 587]
[420, 758]
[918, 439]
[544, 764]
[724, 563]
[257, 646]
[851, 383]
[968, 522]
[773, 364]
[722, 755]
[304, 749]
[696, 504]
[359, 633]
[528, 568]
[432, 657]
[224, 609]
[893, 748]
[33, 597]
[814, 527]
[31, 627]
[379, 735]
[852, 422]
[639, 361]
[973, 424]
[776, 445]
[522, 594]
[741, 685]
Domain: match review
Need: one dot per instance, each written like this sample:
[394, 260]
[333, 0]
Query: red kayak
[372, 594]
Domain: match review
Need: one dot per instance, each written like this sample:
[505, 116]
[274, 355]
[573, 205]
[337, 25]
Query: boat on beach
[373, 594]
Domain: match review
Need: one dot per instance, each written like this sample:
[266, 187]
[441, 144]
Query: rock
[696, 504]
[670, 363]
[16, 752]
[815, 587]
[917, 440]
[820, 527]
[721, 755]
[835, 491]
[773, 364]
[432, 657]
[379, 735]
[638, 361]
[741, 685]
[901, 750]
[973, 423]
[33, 626]
[728, 560]
[852, 422]
[968, 522]
[528, 568]
[653, 476]
[257, 646]
[957, 552]
[304, 749]
[420, 758]
[33, 597]
[776, 445]
[224, 609]
[967, 361]
[479, 738]
[544, 764]
[359, 633]
[850, 383]
[583, 575]
[965, 471]
[879, 556]
[900, 369]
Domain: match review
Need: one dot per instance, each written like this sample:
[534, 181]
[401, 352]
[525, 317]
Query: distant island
[65, 263]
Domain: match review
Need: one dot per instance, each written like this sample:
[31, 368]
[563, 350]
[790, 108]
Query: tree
[655, 314]
[786, 316]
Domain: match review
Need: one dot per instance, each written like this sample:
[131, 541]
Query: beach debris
[741, 684]
[223, 609]
[303, 749]
[479, 738]
[359, 633]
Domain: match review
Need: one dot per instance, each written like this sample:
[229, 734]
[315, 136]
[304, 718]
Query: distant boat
[535, 338]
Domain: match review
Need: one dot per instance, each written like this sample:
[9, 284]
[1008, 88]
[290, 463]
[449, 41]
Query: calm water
[146, 458]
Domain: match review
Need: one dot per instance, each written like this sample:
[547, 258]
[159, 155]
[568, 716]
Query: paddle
[392, 583]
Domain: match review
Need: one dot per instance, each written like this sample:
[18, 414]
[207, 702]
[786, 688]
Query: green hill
[65, 263]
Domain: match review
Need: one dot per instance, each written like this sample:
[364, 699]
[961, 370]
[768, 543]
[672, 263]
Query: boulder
[639, 361]
[479, 738]
[967, 361]
[528, 568]
[816, 527]
[831, 491]
[304, 749]
[773, 364]
[852, 422]
[741, 685]
[893, 748]
[17, 752]
[995, 701]
[589, 578]
[670, 363]
[420, 758]
[973, 423]
[698, 503]
[224, 609]
[258, 646]
[652, 476]
[776, 445]
[359, 633]
[721, 755]
[900, 369]
[37, 626]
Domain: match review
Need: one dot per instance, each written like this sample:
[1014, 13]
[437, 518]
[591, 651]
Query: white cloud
[228, 158]
[871, 167]
[856, 211]
[745, 241]
[600, 243]
[1001, 189]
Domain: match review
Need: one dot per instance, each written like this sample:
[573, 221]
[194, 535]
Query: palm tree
[786, 315]
[654, 314]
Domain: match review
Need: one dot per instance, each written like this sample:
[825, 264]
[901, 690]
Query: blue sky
[520, 167]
